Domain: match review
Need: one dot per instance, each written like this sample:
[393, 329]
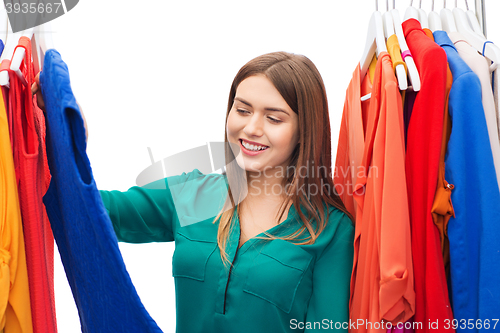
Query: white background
[157, 74]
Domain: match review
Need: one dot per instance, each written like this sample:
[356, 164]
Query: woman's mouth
[251, 149]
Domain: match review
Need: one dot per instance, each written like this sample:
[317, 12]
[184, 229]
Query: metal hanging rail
[481, 14]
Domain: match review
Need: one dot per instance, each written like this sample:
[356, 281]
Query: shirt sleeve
[141, 214]
[153, 212]
[331, 280]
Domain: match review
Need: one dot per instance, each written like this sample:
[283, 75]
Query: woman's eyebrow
[267, 109]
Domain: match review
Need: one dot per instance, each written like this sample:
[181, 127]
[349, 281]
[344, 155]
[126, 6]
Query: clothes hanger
[448, 20]
[434, 20]
[489, 50]
[12, 40]
[422, 15]
[473, 20]
[389, 31]
[44, 37]
[18, 57]
[405, 52]
[411, 12]
[375, 40]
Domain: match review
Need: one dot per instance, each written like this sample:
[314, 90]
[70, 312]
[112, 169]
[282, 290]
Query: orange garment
[382, 279]
[15, 308]
[442, 207]
[428, 32]
[371, 69]
[351, 139]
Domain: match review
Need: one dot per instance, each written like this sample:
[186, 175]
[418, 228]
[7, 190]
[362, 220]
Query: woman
[258, 264]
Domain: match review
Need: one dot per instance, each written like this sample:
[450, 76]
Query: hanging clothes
[382, 279]
[351, 140]
[481, 67]
[33, 175]
[442, 207]
[395, 52]
[474, 247]
[104, 294]
[428, 32]
[495, 81]
[425, 133]
[15, 311]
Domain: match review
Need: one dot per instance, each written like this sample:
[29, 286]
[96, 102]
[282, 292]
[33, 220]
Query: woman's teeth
[252, 147]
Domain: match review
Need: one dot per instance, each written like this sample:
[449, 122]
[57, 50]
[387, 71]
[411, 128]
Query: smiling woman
[280, 247]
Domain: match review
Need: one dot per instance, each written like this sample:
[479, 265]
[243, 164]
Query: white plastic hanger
[44, 37]
[434, 20]
[448, 20]
[422, 16]
[389, 31]
[473, 20]
[17, 58]
[12, 41]
[410, 63]
[411, 12]
[375, 40]
[491, 51]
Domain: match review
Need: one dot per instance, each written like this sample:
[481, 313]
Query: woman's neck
[266, 186]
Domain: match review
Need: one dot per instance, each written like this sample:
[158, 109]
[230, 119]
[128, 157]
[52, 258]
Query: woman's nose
[254, 126]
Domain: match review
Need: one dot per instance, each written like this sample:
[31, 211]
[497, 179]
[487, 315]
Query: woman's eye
[274, 120]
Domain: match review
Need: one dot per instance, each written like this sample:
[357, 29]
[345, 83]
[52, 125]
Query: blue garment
[1, 46]
[474, 233]
[104, 294]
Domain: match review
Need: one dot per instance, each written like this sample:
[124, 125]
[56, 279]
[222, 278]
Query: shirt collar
[411, 25]
[442, 39]
[457, 37]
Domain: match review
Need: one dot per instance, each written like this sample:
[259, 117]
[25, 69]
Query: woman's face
[262, 124]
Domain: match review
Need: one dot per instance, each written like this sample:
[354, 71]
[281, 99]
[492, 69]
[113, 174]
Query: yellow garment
[395, 52]
[15, 308]
[371, 69]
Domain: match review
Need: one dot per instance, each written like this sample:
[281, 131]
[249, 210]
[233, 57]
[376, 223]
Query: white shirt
[481, 67]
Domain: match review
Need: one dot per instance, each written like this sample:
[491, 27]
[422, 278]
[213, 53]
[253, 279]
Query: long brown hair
[299, 82]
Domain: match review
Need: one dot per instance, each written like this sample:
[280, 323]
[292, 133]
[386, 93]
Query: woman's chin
[249, 166]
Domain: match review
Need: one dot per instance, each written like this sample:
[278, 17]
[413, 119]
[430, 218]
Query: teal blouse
[272, 286]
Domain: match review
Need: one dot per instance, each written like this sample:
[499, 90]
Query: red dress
[425, 133]
[27, 125]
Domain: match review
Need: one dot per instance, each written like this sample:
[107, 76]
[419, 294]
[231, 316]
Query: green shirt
[273, 285]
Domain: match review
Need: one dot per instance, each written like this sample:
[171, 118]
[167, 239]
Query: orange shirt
[428, 32]
[382, 279]
[351, 139]
[15, 309]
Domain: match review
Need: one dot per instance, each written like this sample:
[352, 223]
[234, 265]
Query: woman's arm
[149, 213]
[329, 302]
[142, 214]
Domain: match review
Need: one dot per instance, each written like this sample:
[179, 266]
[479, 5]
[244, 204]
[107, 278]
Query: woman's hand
[35, 89]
